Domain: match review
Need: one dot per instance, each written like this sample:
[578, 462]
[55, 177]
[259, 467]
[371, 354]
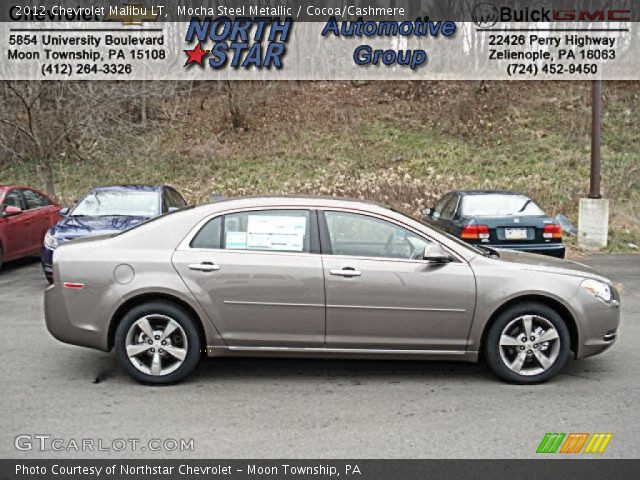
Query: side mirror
[436, 254]
[427, 212]
[172, 209]
[64, 212]
[11, 211]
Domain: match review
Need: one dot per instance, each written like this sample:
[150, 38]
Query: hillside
[402, 143]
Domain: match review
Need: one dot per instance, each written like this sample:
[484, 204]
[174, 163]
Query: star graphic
[195, 55]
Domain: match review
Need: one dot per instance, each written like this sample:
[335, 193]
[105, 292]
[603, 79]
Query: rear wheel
[158, 343]
[528, 343]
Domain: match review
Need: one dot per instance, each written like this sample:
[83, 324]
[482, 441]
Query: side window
[165, 202]
[268, 230]
[437, 211]
[175, 200]
[13, 199]
[209, 236]
[363, 236]
[34, 199]
[449, 209]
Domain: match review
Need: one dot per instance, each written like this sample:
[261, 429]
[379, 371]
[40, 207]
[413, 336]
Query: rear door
[258, 274]
[41, 215]
[16, 228]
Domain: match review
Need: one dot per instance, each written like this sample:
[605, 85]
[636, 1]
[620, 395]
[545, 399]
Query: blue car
[108, 210]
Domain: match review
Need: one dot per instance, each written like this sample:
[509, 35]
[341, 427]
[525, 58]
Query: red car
[25, 216]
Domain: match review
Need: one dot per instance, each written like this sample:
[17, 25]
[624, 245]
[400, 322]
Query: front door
[381, 294]
[258, 275]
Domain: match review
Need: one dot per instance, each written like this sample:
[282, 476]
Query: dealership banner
[316, 469]
[323, 40]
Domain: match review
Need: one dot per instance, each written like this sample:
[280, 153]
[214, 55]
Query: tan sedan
[307, 276]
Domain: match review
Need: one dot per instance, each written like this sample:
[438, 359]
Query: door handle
[204, 267]
[346, 272]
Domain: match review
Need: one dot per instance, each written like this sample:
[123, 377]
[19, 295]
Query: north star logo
[239, 43]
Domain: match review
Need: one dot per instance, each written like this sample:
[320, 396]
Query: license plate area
[515, 233]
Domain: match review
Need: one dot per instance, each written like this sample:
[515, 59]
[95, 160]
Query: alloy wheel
[529, 345]
[156, 345]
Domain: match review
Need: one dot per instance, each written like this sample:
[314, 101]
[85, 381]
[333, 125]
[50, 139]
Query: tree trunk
[143, 110]
[47, 172]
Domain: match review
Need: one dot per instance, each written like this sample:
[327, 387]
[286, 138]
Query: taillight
[552, 231]
[475, 232]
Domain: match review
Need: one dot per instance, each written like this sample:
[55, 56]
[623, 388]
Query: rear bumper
[72, 316]
[551, 249]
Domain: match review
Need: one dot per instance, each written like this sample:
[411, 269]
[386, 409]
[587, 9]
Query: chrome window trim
[395, 222]
[185, 244]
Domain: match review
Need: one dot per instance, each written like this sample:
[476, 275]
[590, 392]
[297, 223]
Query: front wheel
[528, 343]
[158, 343]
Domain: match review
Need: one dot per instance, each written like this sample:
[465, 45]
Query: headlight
[50, 241]
[598, 289]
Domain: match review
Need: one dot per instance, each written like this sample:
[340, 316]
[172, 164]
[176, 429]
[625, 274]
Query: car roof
[132, 187]
[310, 201]
[486, 192]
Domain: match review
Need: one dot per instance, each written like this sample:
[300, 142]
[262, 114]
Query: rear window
[494, 205]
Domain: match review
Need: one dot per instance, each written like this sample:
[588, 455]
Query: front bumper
[599, 325]
[46, 257]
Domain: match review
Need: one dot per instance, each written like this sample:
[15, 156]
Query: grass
[380, 141]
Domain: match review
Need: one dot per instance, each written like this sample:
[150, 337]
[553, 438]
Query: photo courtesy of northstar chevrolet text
[289, 239]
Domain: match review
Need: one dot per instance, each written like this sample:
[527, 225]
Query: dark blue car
[497, 219]
[106, 210]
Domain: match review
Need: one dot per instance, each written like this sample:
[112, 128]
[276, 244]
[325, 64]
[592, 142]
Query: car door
[381, 294]
[17, 227]
[445, 219]
[258, 274]
[40, 216]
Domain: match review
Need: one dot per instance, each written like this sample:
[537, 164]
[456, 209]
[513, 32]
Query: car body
[121, 207]
[25, 216]
[308, 276]
[497, 219]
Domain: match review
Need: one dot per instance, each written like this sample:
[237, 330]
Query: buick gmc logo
[486, 15]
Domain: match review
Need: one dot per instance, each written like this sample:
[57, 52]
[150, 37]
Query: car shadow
[14, 265]
[103, 368]
[99, 368]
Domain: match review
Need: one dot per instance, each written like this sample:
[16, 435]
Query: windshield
[497, 205]
[462, 243]
[103, 203]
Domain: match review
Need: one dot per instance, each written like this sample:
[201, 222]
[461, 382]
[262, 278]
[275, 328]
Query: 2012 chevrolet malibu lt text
[298, 276]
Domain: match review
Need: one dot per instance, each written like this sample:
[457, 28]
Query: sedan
[301, 276]
[497, 219]
[107, 210]
[25, 216]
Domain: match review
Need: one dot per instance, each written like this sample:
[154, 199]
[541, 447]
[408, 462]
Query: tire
[527, 361]
[151, 363]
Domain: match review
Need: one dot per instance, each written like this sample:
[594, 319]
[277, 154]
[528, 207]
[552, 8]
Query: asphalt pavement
[283, 408]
